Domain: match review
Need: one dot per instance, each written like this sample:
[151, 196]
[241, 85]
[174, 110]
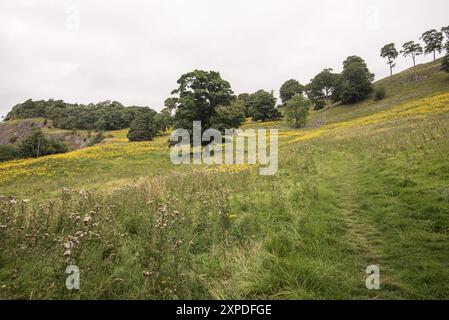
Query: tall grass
[352, 197]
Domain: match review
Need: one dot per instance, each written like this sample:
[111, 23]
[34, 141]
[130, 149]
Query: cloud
[90, 50]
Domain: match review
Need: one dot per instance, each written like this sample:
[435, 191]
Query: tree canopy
[355, 83]
[143, 128]
[106, 115]
[289, 89]
[263, 106]
[297, 110]
[434, 42]
[390, 53]
[321, 88]
[412, 49]
[445, 31]
[197, 98]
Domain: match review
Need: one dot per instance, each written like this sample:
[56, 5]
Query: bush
[96, 139]
[379, 94]
[8, 152]
[143, 128]
[319, 104]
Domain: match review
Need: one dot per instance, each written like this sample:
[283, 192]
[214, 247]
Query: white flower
[87, 219]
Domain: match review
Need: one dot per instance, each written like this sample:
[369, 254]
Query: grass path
[363, 233]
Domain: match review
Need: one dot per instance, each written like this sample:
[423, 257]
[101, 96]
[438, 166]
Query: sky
[134, 51]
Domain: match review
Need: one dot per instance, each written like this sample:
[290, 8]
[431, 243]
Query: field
[361, 185]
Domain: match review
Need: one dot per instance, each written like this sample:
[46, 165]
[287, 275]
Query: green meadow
[363, 184]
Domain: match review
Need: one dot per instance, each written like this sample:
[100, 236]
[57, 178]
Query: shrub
[379, 94]
[96, 139]
[8, 152]
[143, 128]
[319, 104]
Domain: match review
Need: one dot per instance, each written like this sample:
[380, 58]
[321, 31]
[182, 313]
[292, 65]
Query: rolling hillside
[363, 184]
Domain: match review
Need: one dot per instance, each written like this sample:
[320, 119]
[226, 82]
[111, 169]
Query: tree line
[106, 115]
[204, 96]
[434, 41]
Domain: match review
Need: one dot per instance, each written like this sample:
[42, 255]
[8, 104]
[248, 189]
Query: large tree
[412, 49]
[289, 89]
[197, 98]
[263, 106]
[297, 110]
[355, 82]
[390, 53]
[243, 99]
[321, 87]
[434, 42]
[445, 31]
[229, 117]
[163, 120]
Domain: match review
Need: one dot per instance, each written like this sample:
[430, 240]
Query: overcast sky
[134, 51]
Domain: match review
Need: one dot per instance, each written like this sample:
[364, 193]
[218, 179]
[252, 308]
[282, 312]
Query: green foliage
[106, 115]
[37, 145]
[197, 98]
[143, 128]
[319, 104]
[379, 94]
[445, 64]
[289, 89]
[390, 53]
[445, 31]
[297, 110]
[8, 152]
[243, 98]
[355, 83]
[13, 139]
[322, 87]
[412, 49]
[228, 117]
[434, 42]
[164, 120]
[96, 139]
[262, 105]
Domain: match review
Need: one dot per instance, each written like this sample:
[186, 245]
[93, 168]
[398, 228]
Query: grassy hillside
[421, 81]
[369, 186]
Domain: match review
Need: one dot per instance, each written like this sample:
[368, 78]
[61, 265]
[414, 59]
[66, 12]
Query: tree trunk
[434, 56]
[414, 63]
[391, 70]
[38, 147]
